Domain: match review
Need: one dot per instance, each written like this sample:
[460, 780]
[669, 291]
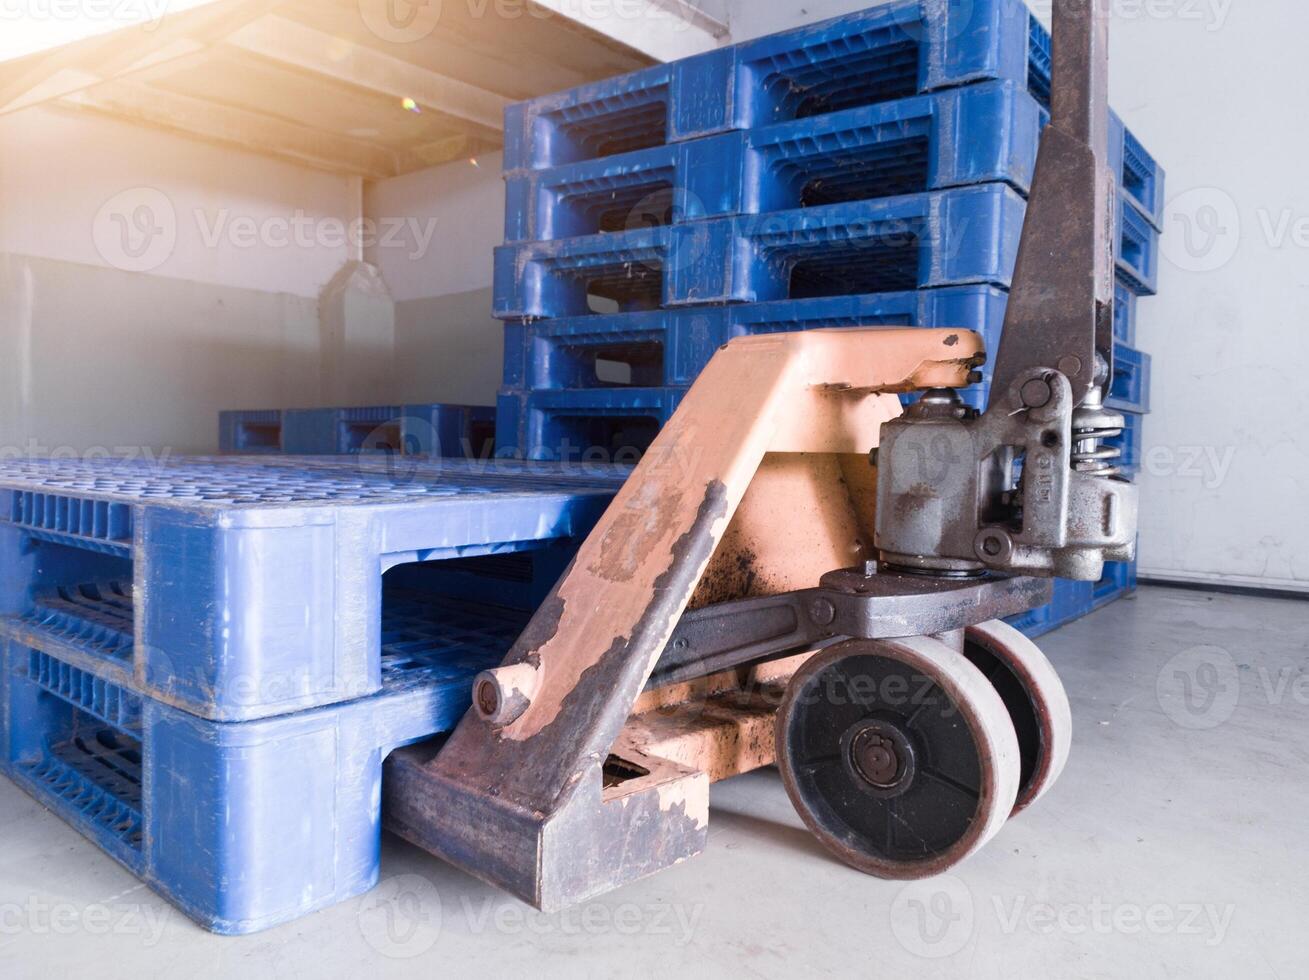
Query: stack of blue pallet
[204, 662]
[868, 170]
[457, 431]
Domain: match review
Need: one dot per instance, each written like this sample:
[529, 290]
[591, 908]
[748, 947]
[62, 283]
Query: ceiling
[370, 88]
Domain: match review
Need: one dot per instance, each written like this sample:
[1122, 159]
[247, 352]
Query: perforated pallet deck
[943, 238]
[888, 52]
[247, 825]
[953, 138]
[259, 580]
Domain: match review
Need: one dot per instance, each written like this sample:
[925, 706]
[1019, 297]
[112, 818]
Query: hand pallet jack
[702, 632]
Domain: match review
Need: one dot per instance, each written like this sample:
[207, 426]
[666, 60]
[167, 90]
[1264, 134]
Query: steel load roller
[800, 573]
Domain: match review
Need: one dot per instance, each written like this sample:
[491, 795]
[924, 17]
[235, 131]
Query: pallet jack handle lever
[1060, 312]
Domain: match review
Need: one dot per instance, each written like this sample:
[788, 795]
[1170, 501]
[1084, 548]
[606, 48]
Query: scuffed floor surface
[1174, 846]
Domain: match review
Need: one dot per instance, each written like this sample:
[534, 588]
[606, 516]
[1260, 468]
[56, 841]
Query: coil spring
[1091, 426]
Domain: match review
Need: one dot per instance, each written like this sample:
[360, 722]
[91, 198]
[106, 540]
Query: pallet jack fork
[763, 589]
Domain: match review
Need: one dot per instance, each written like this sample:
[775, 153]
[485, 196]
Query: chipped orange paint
[822, 391]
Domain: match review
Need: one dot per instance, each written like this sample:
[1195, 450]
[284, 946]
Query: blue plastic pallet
[1129, 444]
[1137, 251]
[607, 424]
[943, 238]
[329, 431]
[461, 431]
[250, 432]
[1124, 313]
[1129, 390]
[888, 52]
[671, 347]
[259, 583]
[1071, 601]
[947, 139]
[1119, 580]
[1136, 172]
[243, 826]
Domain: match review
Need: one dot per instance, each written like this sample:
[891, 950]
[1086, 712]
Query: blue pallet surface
[952, 138]
[1129, 444]
[1124, 313]
[453, 431]
[942, 238]
[1137, 251]
[247, 825]
[259, 580]
[1119, 580]
[1071, 601]
[888, 52]
[327, 431]
[248, 432]
[671, 347]
[614, 425]
[431, 430]
[1129, 389]
[1136, 172]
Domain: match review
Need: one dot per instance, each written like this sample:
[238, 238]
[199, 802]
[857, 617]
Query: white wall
[448, 347]
[148, 281]
[73, 185]
[458, 209]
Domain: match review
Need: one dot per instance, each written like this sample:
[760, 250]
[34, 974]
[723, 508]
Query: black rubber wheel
[1035, 699]
[898, 754]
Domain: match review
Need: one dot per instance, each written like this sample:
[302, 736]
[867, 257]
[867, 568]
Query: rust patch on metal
[622, 549]
[628, 660]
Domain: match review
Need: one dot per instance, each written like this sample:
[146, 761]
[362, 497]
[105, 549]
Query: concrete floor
[1174, 846]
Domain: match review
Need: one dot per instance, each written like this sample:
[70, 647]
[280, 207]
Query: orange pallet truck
[799, 573]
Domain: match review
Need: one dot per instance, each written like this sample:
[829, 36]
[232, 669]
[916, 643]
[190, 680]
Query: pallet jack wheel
[898, 755]
[1036, 700]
